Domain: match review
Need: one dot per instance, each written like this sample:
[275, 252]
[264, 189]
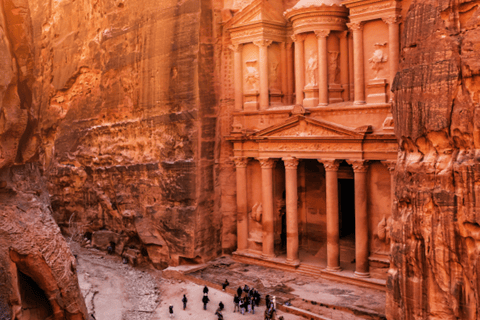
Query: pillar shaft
[267, 165]
[283, 57]
[263, 54]
[299, 68]
[238, 71]
[291, 165]
[358, 63]
[289, 73]
[351, 76]
[391, 168]
[322, 66]
[344, 68]
[393, 46]
[242, 210]
[333, 226]
[361, 219]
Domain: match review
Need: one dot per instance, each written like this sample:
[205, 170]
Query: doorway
[346, 206]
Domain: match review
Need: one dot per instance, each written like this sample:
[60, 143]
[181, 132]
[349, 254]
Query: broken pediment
[301, 126]
[267, 11]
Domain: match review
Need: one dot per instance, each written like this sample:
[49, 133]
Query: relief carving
[333, 69]
[251, 75]
[312, 66]
[304, 129]
[378, 59]
[256, 213]
[273, 74]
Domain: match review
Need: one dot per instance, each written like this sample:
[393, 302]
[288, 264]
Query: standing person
[239, 292]
[242, 306]
[170, 310]
[252, 303]
[184, 300]
[205, 300]
[267, 301]
[246, 288]
[274, 303]
[236, 300]
[205, 290]
[221, 306]
[225, 284]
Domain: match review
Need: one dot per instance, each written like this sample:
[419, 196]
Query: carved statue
[333, 70]
[273, 73]
[383, 230]
[252, 76]
[312, 67]
[257, 211]
[378, 59]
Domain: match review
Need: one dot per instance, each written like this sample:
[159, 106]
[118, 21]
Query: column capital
[267, 163]
[262, 43]
[343, 34]
[288, 44]
[355, 26]
[235, 47]
[390, 164]
[298, 37]
[392, 20]
[359, 165]
[330, 165]
[290, 162]
[322, 33]
[240, 162]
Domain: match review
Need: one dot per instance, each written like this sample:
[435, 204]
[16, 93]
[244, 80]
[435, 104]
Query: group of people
[244, 300]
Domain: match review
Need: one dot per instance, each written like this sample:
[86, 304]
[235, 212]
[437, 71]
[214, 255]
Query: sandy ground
[115, 291]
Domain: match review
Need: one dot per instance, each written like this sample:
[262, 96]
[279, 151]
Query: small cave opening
[35, 304]
[190, 261]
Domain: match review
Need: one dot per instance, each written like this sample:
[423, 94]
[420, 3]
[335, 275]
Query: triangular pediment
[301, 126]
[257, 11]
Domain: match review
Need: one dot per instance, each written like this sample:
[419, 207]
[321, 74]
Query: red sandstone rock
[435, 229]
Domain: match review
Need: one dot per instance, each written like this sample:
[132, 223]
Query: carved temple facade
[311, 129]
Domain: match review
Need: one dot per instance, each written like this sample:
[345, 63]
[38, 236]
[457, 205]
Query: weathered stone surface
[435, 229]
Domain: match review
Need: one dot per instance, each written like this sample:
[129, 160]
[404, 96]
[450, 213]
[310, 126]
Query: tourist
[252, 303]
[205, 290]
[267, 301]
[184, 300]
[239, 292]
[236, 300]
[225, 284]
[218, 313]
[170, 310]
[256, 295]
[242, 306]
[247, 305]
[205, 300]
[221, 306]
[246, 289]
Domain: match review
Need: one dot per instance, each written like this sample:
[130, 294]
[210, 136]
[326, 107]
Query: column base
[333, 269]
[268, 256]
[357, 102]
[362, 274]
[322, 104]
[294, 262]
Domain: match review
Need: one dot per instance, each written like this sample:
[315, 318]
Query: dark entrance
[346, 207]
[35, 304]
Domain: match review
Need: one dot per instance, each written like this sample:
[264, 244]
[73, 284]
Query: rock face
[37, 270]
[436, 225]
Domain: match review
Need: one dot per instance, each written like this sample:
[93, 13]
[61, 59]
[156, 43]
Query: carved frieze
[309, 146]
[304, 129]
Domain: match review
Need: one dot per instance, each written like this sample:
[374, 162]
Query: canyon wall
[37, 270]
[435, 270]
[128, 123]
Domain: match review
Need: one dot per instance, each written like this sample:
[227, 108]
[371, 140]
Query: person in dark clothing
[257, 297]
[218, 313]
[246, 288]
[111, 247]
[267, 301]
[170, 310]
[184, 300]
[205, 300]
[239, 292]
[236, 300]
[205, 290]
[246, 304]
[252, 303]
[221, 306]
[242, 306]
[225, 284]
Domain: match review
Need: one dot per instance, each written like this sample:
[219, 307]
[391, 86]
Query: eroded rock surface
[436, 224]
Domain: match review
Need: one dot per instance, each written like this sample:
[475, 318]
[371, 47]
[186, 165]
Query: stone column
[351, 77]
[283, 58]
[291, 204]
[289, 73]
[299, 68]
[344, 68]
[333, 226]
[393, 46]
[267, 165]
[322, 66]
[391, 168]
[360, 168]
[238, 72]
[242, 210]
[358, 63]
[263, 54]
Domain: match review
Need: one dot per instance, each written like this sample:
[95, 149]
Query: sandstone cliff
[436, 229]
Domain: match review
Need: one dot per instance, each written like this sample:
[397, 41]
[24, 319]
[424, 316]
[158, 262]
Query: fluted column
[291, 165]
[322, 66]
[358, 63]
[393, 46]
[299, 68]
[360, 168]
[242, 210]
[267, 165]
[344, 68]
[283, 58]
[238, 73]
[391, 169]
[289, 73]
[333, 226]
[263, 54]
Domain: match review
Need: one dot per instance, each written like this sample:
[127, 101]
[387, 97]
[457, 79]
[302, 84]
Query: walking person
[205, 300]
[236, 300]
[242, 306]
[205, 290]
[239, 292]
[184, 300]
[170, 310]
[225, 284]
[221, 306]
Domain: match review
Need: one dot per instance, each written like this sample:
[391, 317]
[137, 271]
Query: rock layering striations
[436, 224]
